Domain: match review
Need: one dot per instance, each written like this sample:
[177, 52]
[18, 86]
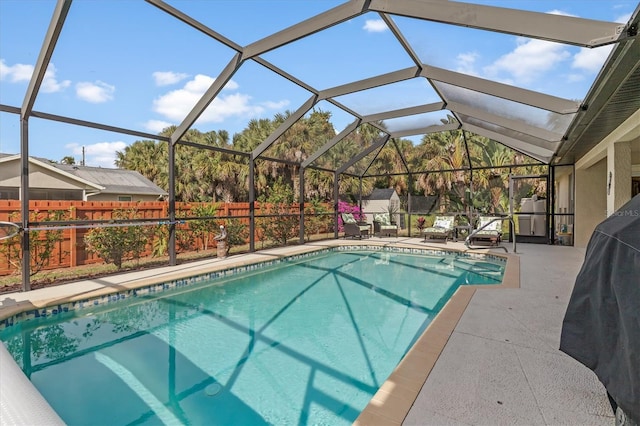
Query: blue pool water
[307, 342]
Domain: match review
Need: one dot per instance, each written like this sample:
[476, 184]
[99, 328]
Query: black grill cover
[601, 327]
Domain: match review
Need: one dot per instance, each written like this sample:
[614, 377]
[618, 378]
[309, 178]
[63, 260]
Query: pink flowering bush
[344, 207]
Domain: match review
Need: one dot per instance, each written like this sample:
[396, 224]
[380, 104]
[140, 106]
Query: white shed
[381, 200]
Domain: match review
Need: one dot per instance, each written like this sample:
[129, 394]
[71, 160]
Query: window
[9, 193]
[124, 198]
[54, 194]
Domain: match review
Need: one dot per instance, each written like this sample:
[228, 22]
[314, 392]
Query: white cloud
[466, 63]
[96, 93]
[575, 78]
[15, 73]
[201, 83]
[623, 19]
[156, 126]
[101, 154]
[22, 73]
[275, 105]
[559, 12]
[166, 78]
[375, 26]
[529, 60]
[176, 104]
[50, 84]
[591, 60]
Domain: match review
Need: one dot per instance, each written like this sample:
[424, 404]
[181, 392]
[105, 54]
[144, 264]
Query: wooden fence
[71, 251]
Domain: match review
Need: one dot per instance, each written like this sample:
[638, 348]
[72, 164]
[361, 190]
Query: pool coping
[393, 400]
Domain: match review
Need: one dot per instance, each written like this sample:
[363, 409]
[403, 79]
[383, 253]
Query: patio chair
[443, 228]
[354, 228]
[382, 225]
[491, 234]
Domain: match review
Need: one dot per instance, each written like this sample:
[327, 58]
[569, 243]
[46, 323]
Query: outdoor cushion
[495, 226]
[438, 230]
[348, 218]
[492, 232]
[383, 218]
[442, 227]
[442, 223]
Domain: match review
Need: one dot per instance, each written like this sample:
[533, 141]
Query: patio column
[252, 199]
[360, 195]
[301, 201]
[24, 202]
[590, 200]
[336, 196]
[618, 175]
[172, 204]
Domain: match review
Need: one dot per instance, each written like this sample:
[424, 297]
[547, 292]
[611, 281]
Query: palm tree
[446, 169]
[68, 160]
[147, 157]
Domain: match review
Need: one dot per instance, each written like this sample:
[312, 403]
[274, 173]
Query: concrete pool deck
[498, 363]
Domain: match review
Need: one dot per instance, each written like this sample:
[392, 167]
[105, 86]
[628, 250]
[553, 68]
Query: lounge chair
[491, 234]
[443, 228]
[354, 228]
[382, 225]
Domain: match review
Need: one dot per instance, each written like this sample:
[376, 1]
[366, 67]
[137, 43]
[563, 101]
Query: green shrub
[237, 233]
[41, 243]
[281, 227]
[203, 229]
[316, 220]
[115, 244]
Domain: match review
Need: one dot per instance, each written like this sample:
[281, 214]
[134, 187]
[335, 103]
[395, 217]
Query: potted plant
[420, 223]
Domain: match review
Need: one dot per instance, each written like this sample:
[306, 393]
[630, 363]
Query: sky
[128, 64]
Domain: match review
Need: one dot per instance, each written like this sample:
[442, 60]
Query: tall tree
[68, 160]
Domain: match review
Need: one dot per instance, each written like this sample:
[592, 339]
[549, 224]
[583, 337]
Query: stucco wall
[591, 201]
[564, 200]
[370, 207]
[564, 190]
[39, 177]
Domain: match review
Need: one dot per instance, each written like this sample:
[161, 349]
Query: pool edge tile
[421, 358]
[386, 407]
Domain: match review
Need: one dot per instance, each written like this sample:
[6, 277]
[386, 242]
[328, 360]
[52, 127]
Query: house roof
[381, 194]
[118, 181]
[46, 164]
[106, 181]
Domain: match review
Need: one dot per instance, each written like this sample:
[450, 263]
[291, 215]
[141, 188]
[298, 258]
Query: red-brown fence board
[71, 250]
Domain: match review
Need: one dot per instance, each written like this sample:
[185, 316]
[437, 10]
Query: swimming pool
[308, 341]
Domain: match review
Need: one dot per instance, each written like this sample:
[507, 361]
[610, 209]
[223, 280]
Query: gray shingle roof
[381, 194]
[114, 180]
